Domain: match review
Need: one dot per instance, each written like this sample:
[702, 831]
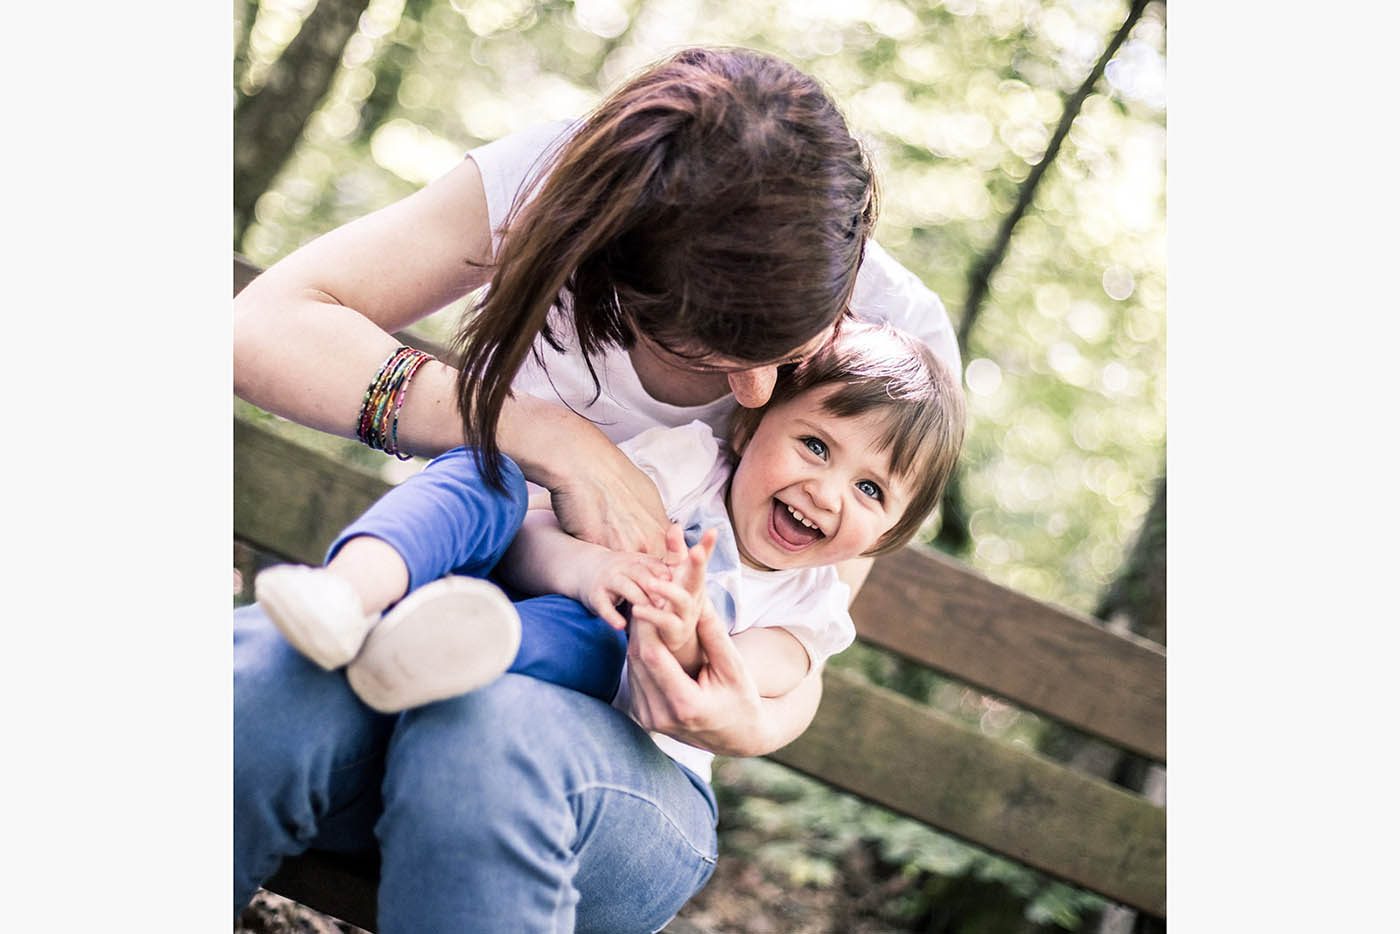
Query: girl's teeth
[800, 518]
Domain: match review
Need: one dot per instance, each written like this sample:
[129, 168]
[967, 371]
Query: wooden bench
[872, 742]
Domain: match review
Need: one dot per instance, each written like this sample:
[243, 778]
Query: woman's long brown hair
[717, 203]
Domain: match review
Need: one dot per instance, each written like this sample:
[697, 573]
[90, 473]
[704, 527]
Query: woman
[652, 264]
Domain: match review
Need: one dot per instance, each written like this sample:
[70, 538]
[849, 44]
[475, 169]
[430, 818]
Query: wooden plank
[293, 500]
[927, 607]
[922, 763]
[343, 887]
[347, 888]
[245, 272]
[943, 614]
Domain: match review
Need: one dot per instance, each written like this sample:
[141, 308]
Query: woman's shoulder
[888, 291]
[516, 163]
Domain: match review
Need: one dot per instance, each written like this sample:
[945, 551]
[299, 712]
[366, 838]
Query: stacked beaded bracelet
[379, 412]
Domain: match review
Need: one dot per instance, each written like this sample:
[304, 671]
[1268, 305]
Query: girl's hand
[617, 576]
[676, 604]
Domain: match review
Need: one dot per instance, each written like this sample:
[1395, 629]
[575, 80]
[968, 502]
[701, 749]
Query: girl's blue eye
[870, 489]
[815, 446]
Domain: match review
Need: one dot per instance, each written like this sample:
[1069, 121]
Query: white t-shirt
[691, 471]
[884, 291]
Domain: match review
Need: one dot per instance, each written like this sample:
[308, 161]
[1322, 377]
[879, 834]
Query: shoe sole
[291, 615]
[447, 638]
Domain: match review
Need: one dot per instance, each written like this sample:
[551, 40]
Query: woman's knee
[288, 714]
[484, 755]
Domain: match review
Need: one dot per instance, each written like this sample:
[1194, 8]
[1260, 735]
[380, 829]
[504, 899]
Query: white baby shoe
[316, 611]
[446, 638]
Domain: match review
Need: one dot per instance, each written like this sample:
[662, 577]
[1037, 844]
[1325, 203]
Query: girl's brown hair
[716, 203]
[882, 373]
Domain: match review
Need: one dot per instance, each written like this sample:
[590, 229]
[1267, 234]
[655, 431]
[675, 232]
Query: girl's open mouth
[788, 530]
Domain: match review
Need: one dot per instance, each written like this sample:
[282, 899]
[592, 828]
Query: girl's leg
[564, 643]
[445, 518]
[528, 807]
[308, 757]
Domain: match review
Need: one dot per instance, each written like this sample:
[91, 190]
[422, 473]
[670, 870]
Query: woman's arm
[310, 333]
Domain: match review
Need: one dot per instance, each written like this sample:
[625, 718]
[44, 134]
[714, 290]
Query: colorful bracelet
[379, 410]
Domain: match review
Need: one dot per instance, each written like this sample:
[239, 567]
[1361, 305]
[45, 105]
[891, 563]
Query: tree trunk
[394, 60]
[1135, 601]
[953, 535]
[268, 124]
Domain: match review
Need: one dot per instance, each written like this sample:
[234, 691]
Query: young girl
[846, 459]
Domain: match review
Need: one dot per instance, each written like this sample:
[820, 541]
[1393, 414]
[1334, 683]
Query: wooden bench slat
[293, 500]
[913, 759]
[923, 763]
[941, 613]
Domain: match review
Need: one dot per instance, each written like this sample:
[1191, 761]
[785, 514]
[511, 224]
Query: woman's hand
[597, 494]
[719, 710]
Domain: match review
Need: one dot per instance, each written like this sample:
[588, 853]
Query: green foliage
[799, 830]
[956, 100]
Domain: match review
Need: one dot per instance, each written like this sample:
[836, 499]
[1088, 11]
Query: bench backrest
[867, 740]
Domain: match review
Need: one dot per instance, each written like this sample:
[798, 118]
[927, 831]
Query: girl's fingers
[675, 545]
[626, 588]
[664, 621]
[676, 595]
[602, 605]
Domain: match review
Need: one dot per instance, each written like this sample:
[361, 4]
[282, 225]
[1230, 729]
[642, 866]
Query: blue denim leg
[564, 643]
[446, 518]
[527, 807]
[308, 756]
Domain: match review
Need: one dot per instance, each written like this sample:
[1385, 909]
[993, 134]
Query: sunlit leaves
[956, 101]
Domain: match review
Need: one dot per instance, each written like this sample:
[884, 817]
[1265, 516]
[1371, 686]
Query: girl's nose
[823, 493]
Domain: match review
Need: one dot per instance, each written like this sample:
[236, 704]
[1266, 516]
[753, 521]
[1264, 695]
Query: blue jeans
[447, 520]
[523, 806]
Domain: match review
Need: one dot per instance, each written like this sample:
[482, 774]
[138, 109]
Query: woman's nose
[753, 388]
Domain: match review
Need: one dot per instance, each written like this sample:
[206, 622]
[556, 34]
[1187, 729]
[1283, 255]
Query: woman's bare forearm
[310, 333]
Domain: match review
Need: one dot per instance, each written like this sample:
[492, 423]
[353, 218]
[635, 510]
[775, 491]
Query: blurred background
[1020, 148]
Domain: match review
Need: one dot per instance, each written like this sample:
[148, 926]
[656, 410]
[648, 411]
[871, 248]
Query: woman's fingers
[724, 660]
[677, 596]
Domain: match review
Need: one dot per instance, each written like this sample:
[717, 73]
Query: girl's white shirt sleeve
[812, 606]
[681, 462]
